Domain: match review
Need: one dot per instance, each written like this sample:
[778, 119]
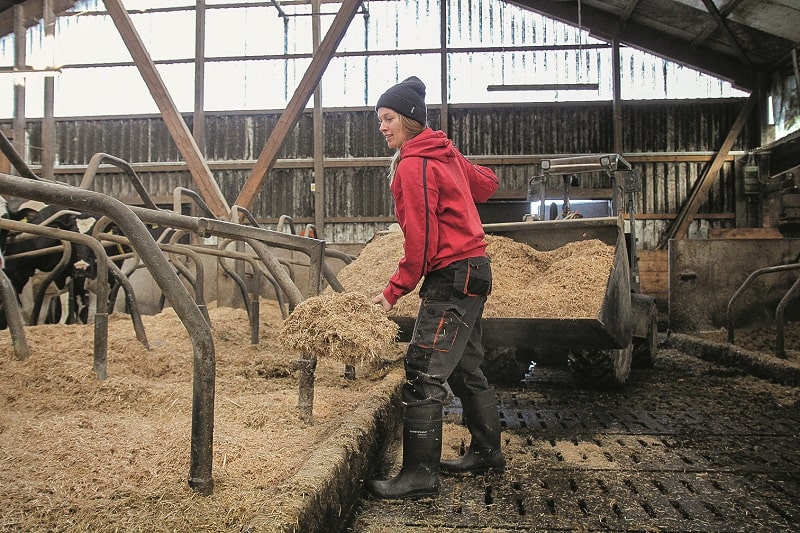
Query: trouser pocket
[438, 325]
[468, 277]
[436, 344]
[473, 277]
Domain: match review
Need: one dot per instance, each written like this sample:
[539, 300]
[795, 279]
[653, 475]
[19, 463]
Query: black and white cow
[72, 305]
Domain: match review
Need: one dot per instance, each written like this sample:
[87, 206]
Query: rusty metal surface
[704, 275]
[686, 446]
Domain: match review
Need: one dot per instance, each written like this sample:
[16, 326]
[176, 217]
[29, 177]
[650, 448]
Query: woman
[435, 190]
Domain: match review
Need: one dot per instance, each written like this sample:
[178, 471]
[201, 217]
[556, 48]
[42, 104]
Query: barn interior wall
[669, 142]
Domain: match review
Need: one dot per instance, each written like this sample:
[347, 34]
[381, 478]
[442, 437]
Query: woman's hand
[381, 299]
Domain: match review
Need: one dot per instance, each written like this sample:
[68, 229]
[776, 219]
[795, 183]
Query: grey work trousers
[446, 343]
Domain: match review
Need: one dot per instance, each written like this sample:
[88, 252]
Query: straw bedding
[80, 454]
[84, 455]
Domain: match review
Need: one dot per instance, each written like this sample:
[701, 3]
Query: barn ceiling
[7, 4]
[32, 12]
[737, 40]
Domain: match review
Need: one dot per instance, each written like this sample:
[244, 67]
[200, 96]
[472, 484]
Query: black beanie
[407, 98]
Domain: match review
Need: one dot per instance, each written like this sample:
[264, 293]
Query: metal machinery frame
[626, 182]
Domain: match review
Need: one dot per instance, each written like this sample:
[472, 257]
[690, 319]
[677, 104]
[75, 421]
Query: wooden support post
[20, 119]
[199, 116]
[619, 147]
[319, 137]
[48, 150]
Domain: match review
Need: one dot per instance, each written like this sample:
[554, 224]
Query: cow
[69, 275]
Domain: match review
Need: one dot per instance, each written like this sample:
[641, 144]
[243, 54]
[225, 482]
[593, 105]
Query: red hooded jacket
[435, 190]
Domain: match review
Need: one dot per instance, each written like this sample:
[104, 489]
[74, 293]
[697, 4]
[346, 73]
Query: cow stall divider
[196, 280]
[330, 277]
[8, 296]
[306, 365]
[789, 295]
[100, 158]
[132, 220]
[204, 359]
[122, 282]
[221, 253]
[101, 316]
[250, 299]
[258, 239]
[282, 282]
[254, 306]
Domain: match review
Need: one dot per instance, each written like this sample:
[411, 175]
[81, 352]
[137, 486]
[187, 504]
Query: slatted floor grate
[686, 446]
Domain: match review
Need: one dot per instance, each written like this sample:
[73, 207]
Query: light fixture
[546, 87]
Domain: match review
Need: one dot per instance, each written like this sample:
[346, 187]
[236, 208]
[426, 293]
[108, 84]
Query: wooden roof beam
[626, 13]
[726, 10]
[298, 102]
[723, 26]
[204, 180]
[699, 192]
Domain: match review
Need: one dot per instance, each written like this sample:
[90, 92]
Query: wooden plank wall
[669, 142]
[654, 276]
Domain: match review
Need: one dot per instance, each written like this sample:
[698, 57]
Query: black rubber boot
[483, 422]
[422, 450]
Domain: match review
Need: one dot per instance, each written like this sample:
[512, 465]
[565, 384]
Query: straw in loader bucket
[627, 317]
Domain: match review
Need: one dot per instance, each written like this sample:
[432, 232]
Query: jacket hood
[431, 144]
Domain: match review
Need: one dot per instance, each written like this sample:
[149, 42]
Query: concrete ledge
[322, 495]
[758, 364]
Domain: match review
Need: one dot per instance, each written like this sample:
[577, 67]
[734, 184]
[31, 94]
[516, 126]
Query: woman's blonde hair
[413, 128]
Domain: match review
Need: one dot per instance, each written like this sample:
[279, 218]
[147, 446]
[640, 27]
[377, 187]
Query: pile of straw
[567, 282]
[564, 283]
[345, 327]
